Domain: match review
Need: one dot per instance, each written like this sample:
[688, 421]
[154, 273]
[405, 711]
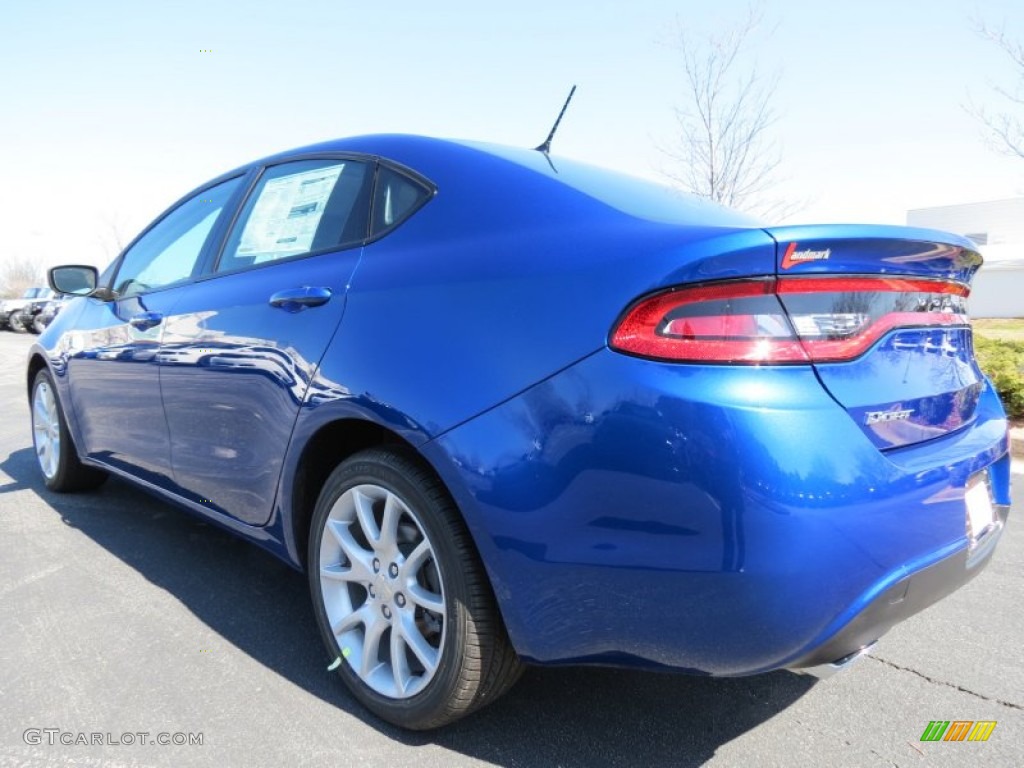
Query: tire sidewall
[430, 703]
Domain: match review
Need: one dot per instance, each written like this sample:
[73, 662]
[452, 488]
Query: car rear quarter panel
[479, 297]
[506, 277]
[707, 518]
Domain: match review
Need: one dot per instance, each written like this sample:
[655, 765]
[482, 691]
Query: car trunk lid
[882, 314]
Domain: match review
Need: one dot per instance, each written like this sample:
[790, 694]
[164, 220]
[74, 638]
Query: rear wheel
[401, 597]
[55, 452]
[38, 326]
[15, 322]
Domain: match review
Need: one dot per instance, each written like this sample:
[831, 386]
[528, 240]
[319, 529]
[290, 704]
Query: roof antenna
[546, 146]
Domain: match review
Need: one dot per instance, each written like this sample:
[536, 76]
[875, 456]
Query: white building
[998, 229]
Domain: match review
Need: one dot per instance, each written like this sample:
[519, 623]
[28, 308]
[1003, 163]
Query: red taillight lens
[735, 322]
[792, 320]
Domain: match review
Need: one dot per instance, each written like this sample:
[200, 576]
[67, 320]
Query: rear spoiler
[850, 249]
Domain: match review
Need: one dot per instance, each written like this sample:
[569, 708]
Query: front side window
[299, 208]
[170, 250]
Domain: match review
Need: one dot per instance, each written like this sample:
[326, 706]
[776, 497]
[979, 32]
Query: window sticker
[286, 215]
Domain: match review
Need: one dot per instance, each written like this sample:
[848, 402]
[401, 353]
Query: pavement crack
[954, 686]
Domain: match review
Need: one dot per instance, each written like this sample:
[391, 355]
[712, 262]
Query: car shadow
[553, 716]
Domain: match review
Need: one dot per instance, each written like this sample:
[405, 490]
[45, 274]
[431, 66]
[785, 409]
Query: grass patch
[999, 347]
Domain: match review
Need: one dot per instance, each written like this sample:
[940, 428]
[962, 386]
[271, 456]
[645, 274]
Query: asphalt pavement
[125, 621]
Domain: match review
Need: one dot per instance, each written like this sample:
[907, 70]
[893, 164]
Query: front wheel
[400, 595]
[16, 324]
[58, 460]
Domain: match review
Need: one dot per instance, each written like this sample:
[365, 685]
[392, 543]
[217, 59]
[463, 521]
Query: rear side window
[396, 198]
[299, 208]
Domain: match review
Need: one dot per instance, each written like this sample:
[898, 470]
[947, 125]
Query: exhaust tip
[822, 671]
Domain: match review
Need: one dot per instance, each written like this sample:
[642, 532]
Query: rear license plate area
[981, 511]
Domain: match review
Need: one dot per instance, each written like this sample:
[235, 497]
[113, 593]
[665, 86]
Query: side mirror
[78, 280]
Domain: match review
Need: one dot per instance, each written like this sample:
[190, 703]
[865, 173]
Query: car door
[241, 346]
[112, 372]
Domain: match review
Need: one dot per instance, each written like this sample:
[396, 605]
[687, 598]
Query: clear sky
[109, 111]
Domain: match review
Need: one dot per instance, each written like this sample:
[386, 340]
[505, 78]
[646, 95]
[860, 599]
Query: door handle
[296, 299]
[145, 320]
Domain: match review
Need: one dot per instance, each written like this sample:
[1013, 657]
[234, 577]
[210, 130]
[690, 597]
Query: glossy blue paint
[714, 518]
[704, 517]
[114, 387]
[475, 299]
[234, 373]
[878, 250]
[930, 373]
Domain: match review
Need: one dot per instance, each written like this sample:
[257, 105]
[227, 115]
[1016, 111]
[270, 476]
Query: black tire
[476, 662]
[35, 326]
[15, 322]
[69, 474]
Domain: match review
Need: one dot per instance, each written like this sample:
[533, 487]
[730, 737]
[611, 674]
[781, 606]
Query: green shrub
[1003, 362]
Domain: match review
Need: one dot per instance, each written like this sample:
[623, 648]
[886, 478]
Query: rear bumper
[901, 600]
[709, 519]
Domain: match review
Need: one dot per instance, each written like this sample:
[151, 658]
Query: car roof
[501, 168]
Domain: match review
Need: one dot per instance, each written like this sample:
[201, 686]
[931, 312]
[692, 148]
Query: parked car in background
[506, 407]
[10, 309]
[31, 317]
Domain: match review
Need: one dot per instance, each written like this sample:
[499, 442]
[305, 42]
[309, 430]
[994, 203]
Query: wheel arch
[36, 363]
[325, 449]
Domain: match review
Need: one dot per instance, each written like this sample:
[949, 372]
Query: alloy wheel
[382, 591]
[46, 429]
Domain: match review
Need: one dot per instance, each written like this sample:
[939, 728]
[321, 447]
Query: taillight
[839, 318]
[789, 320]
[734, 322]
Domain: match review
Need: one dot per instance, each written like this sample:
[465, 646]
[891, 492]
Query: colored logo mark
[792, 257]
[958, 730]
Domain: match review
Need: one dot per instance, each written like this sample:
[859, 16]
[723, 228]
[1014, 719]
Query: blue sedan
[506, 408]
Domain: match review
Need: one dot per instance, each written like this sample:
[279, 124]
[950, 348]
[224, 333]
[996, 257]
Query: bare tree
[112, 239]
[725, 151]
[18, 274]
[1005, 127]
